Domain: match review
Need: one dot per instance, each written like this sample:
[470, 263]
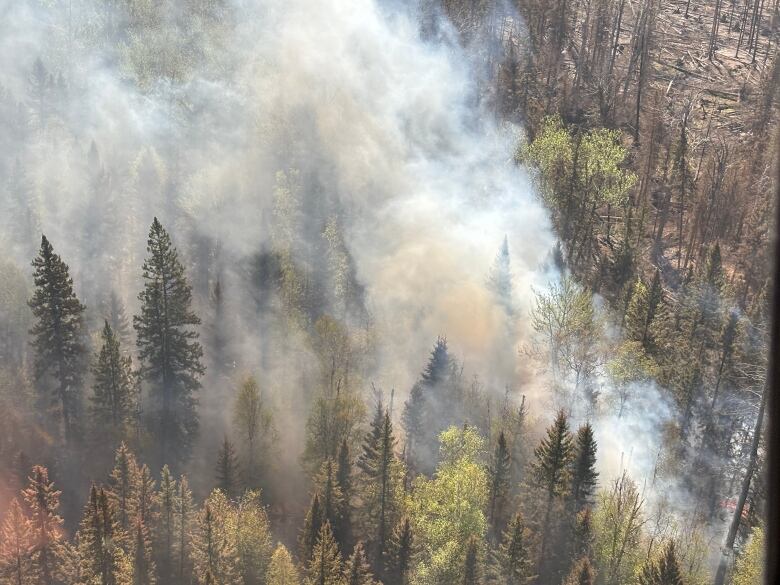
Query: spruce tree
[471, 569]
[663, 571]
[356, 569]
[413, 420]
[551, 472]
[58, 336]
[168, 347]
[584, 476]
[499, 473]
[282, 569]
[324, 568]
[582, 541]
[380, 480]
[43, 501]
[582, 573]
[400, 555]
[227, 472]
[511, 564]
[113, 406]
[15, 545]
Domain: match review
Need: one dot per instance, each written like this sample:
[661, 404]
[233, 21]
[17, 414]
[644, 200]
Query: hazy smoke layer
[376, 126]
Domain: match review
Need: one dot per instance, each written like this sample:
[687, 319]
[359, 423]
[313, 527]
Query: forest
[385, 292]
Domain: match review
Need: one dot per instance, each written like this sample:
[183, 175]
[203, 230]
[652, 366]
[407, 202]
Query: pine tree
[356, 570]
[311, 529]
[122, 483]
[584, 476]
[43, 501]
[282, 570]
[471, 569]
[582, 573]
[143, 563]
[511, 564]
[500, 278]
[168, 347]
[324, 568]
[165, 529]
[664, 571]
[102, 559]
[116, 315]
[499, 472]
[636, 314]
[58, 335]
[400, 555]
[227, 469]
[113, 406]
[15, 545]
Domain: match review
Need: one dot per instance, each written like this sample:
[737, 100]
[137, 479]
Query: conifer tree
[471, 569]
[400, 555]
[584, 476]
[184, 512]
[58, 336]
[324, 568]
[43, 501]
[311, 529]
[165, 529]
[356, 569]
[282, 570]
[344, 480]
[380, 480]
[113, 403]
[143, 563]
[102, 560]
[500, 278]
[15, 545]
[582, 573]
[499, 485]
[227, 469]
[122, 484]
[664, 571]
[331, 500]
[145, 497]
[214, 547]
[511, 564]
[582, 542]
[412, 419]
[168, 347]
[551, 472]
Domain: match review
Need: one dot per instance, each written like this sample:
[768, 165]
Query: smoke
[371, 124]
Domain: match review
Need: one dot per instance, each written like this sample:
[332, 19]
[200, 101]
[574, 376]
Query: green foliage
[282, 569]
[511, 559]
[584, 476]
[749, 568]
[499, 473]
[325, 565]
[356, 569]
[168, 347]
[249, 522]
[662, 571]
[254, 424]
[448, 510]
[401, 554]
[58, 336]
[214, 547]
[114, 402]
